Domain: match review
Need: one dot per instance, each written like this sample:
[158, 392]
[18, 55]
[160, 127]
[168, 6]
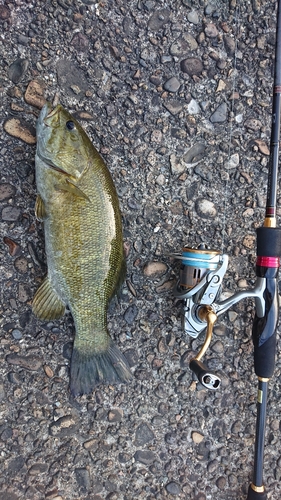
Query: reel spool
[195, 264]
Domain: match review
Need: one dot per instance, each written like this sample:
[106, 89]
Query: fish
[78, 204]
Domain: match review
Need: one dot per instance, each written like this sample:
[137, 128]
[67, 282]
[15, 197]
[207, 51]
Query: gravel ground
[176, 95]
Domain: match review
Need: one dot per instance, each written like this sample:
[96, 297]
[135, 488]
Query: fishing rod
[200, 283]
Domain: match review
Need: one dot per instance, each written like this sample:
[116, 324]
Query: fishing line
[230, 135]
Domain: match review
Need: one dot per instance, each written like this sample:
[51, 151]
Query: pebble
[80, 42]
[10, 213]
[195, 153]
[177, 167]
[192, 66]
[193, 17]
[17, 70]
[197, 437]
[205, 208]
[158, 19]
[71, 78]
[6, 191]
[173, 488]
[173, 106]
[172, 85]
[220, 115]
[17, 335]
[193, 107]
[64, 426]
[229, 44]
[263, 147]
[233, 161]
[253, 124]
[130, 314]
[143, 435]
[5, 13]
[21, 265]
[30, 362]
[115, 415]
[34, 94]
[83, 478]
[20, 128]
[155, 269]
[145, 457]
[211, 30]
[183, 45]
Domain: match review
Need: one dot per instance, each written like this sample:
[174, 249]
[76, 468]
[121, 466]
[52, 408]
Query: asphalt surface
[176, 96]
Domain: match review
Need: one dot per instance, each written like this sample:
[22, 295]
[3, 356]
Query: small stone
[173, 488]
[233, 161]
[197, 437]
[183, 45]
[64, 426]
[221, 86]
[132, 357]
[195, 153]
[229, 44]
[220, 115]
[49, 372]
[38, 468]
[218, 347]
[131, 314]
[6, 191]
[23, 40]
[193, 107]
[34, 94]
[221, 482]
[211, 30]
[21, 265]
[5, 13]
[249, 241]
[177, 167]
[115, 415]
[80, 42]
[205, 208]
[144, 435]
[10, 213]
[17, 335]
[17, 70]
[253, 124]
[20, 128]
[192, 66]
[83, 479]
[193, 17]
[262, 147]
[31, 362]
[173, 106]
[14, 248]
[172, 85]
[155, 269]
[232, 316]
[91, 444]
[158, 19]
[145, 457]
[23, 293]
[242, 283]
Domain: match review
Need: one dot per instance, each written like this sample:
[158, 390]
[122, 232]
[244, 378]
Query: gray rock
[173, 106]
[6, 191]
[131, 314]
[195, 153]
[10, 213]
[173, 488]
[145, 457]
[64, 426]
[205, 208]
[193, 17]
[192, 66]
[143, 435]
[30, 362]
[158, 19]
[183, 45]
[83, 479]
[220, 115]
[172, 85]
[71, 78]
[229, 44]
[17, 70]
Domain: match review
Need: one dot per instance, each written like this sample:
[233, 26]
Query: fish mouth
[51, 115]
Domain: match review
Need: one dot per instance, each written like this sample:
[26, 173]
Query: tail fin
[91, 369]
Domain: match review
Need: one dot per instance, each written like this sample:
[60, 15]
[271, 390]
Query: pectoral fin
[71, 188]
[40, 211]
[46, 303]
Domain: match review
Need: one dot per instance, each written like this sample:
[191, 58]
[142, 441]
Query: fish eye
[70, 125]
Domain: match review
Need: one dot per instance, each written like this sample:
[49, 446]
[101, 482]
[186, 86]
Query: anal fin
[46, 303]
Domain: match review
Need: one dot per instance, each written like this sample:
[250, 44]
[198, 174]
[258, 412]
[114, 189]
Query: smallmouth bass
[78, 204]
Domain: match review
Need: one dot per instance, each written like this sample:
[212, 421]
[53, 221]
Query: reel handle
[208, 379]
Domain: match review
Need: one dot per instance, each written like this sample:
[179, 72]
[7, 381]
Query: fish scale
[79, 206]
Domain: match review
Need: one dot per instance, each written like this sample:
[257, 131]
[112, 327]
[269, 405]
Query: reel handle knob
[208, 379]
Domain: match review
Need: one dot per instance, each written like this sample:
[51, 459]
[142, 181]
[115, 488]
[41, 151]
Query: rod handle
[256, 495]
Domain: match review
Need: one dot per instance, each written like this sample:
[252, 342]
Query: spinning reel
[199, 286]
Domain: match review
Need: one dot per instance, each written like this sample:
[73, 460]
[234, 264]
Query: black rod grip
[256, 495]
[269, 241]
[264, 332]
